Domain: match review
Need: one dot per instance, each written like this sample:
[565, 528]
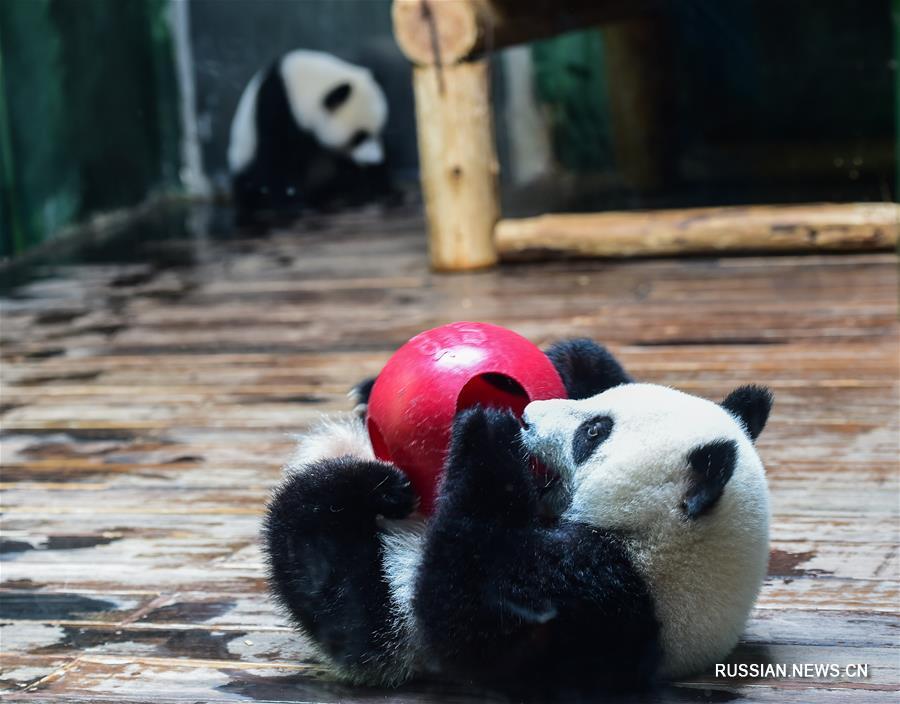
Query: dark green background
[88, 111]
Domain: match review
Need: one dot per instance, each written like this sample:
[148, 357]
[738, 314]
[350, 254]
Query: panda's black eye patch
[589, 436]
[358, 138]
[337, 96]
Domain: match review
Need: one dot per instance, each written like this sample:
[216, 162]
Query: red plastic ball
[440, 372]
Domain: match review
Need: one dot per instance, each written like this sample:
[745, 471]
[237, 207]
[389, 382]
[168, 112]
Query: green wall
[88, 112]
[896, 17]
[761, 71]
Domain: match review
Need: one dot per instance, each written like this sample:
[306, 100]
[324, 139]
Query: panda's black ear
[336, 96]
[712, 465]
[585, 367]
[751, 404]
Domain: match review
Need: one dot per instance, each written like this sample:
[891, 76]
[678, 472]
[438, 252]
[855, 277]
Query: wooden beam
[760, 228]
[449, 31]
[457, 163]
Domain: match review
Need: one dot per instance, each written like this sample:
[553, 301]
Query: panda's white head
[339, 102]
[638, 454]
[679, 477]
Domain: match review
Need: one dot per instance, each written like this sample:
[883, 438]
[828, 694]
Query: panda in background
[646, 570]
[307, 134]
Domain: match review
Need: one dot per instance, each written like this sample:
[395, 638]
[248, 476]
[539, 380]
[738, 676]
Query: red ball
[440, 372]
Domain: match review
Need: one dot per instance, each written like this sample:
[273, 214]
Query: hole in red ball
[378, 444]
[492, 389]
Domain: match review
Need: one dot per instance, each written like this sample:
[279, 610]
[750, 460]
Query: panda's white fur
[332, 436]
[242, 136]
[704, 574]
[307, 77]
[402, 543]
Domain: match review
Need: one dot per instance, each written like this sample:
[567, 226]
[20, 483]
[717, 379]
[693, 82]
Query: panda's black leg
[481, 583]
[487, 474]
[324, 555]
[586, 368]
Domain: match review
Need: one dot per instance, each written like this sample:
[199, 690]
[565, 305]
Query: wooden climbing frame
[448, 42]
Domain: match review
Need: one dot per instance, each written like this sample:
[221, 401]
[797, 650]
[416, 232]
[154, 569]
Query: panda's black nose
[524, 421]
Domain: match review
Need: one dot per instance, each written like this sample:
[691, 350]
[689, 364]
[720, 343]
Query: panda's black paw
[343, 489]
[487, 434]
[392, 495]
[487, 473]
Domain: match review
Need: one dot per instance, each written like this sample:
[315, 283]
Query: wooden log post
[756, 228]
[457, 163]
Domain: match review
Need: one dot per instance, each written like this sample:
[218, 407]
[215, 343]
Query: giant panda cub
[645, 569]
[307, 134]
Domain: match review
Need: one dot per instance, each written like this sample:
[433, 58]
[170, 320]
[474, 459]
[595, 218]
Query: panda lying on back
[307, 133]
[647, 568]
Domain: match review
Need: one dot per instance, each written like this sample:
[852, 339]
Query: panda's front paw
[485, 434]
[487, 472]
[347, 488]
[393, 495]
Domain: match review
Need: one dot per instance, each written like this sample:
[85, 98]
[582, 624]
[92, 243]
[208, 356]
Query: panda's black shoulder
[612, 632]
[558, 609]
[586, 367]
[597, 561]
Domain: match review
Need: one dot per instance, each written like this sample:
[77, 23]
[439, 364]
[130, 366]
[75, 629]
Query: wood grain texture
[458, 164]
[759, 228]
[147, 408]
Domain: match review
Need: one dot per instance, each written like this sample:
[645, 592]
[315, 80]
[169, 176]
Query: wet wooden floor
[149, 393]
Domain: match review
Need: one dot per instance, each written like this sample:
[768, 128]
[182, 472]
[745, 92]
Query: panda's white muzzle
[369, 152]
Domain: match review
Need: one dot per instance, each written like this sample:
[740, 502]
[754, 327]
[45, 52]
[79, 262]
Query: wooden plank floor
[149, 392]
